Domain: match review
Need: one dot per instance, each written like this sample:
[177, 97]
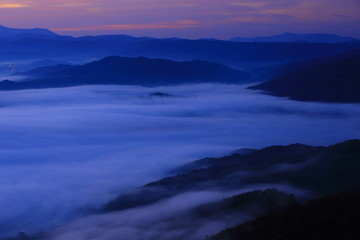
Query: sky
[184, 18]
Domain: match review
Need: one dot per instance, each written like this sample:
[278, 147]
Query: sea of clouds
[65, 151]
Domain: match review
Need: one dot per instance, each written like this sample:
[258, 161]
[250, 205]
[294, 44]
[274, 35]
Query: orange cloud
[13, 5]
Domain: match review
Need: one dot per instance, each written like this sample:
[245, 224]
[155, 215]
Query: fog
[164, 220]
[168, 219]
[65, 151]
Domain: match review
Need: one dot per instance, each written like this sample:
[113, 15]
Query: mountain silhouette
[332, 218]
[17, 32]
[330, 81]
[233, 53]
[293, 37]
[127, 71]
[34, 44]
[320, 170]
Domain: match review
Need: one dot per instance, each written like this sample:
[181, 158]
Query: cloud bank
[65, 151]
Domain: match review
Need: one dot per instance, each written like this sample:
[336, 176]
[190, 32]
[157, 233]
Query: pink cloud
[176, 25]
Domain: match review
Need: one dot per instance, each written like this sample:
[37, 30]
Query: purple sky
[184, 18]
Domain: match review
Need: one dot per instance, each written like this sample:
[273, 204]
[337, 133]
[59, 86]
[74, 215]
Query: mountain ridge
[277, 164]
[333, 217]
[330, 81]
[233, 54]
[127, 71]
[294, 37]
[6, 32]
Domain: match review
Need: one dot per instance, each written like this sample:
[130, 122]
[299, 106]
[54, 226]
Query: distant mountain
[330, 218]
[233, 53]
[293, 37]
[127, 71]
[330, 81]
[16, 32]
[47, 45]
[303, 64]
[44, 63]
[267, 73]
